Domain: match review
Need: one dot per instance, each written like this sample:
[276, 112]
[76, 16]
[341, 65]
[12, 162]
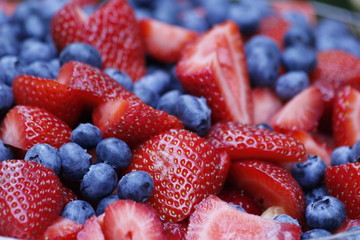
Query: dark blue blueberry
[157, 81]
[247, 18]
[142, 3]
[194, 113]
[309, 173]
[8, 46]
[299, 36]
[137, 186]
[34, 27]
[216, 10]
[315, 233]
[194, 20]
[23, 10]
[349, 44]
[168, 101]
[75, 161]
[103, 203]
[290, 84]
[263, 42]
[33, 50]
[165, 11]
[316, 192]
[41, 69]
[46, 155]
[55, 66]
[147, 95]
[114, 152]
[341, 155]
[5, 152]
[87, 135]
[120, 77]
[296, 19]
[81, 52]
[100, 181]
[175, 83]
[6, 98]
[78, 211]
[261, 5]
[238, 207]
[284, 218]
[329, 28]
[49, 8]
[299, 58]
[264, 126]
[327, 213]
[355, 152]
[3, 18]
[141, 13]
[10, 67]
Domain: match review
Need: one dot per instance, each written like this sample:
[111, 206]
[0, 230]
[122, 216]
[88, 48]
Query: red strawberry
[342, 182]
[300, 113]
[68, 195]
[243, 141]
[164, 41]
[270, 185]
[84, 2]
[91, 230]
[185, 169]
[346, 126]
[31, 198]
[126, 219]
[112, 29]
[266, 104]
[25, 126]
[214, 219]
[175, 231]
[301, 7]
[50, 95]
[214, 66]
[8, 7]
[275, 27]
[348, 224]
[62, 229]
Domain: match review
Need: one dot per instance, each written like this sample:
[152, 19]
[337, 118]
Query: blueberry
[10, 67]
[284, 218]
[22, 11]
[247, 18]
[309, 173]
[299, 36]
[33, 50]
[81, 52]
[264, 126]
[3, 18]
[49, 8]
[299, 58]
[78, 211]
[341, 155]
[8, 45]
[355, 152]
[266, 43]
[103, 203]
[290, 84]
[194, 113]
[120, 77]
[55, 66]
[326, 213]
[114, 152]
[165, 11]
[296, 19]
[75, 161]
[34, 27]
[6, 98]
[216, 10]
[194, 20]
[142, 13]
[168, 101]
[86, 135]
[314, 193]
[315, 233]
[100, 181]
[238, 207]
[147, 95]
[137, 186]
[46, 155]
[5, 152]
[157, 81]
[41, 69]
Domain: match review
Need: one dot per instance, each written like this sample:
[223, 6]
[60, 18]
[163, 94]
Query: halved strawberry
[175, 231]
[213, 66]
[266, 104]
[25, 126]
[215, 219]
[270, 185]
[346, 125]
[91, 230]
[342, 182]
[112, 29]
[163, 41]
[275, 27]
[243, 141]
[301, 7]
[126, 219]
[62, 229]
[300, 113]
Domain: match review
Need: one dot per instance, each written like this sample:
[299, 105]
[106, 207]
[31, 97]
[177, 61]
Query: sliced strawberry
[126, 219]
[214, 66]
[50, 95]
[185, 169]
[266, 104]
[270, 185]
[243, 141]
[112, 29]
[346, 126]
[300, 113]
[62, 229]
[275, 27]
[215, 219]
[25, 126]
[163, 41]
[348, 224]
[31, 198]
[342, 182]
[175, 231]
[91, 230]
[301, 7]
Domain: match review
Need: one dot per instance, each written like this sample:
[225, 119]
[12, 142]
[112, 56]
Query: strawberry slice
[164, 41]
[185, 169]
[346, 126]
[302, 112]
[50, 95]
[270, 185]
[266, 104]
[31, 198]
[112, 29]
[341, 182]
[215, 219]
[91, 230]
[214, 66]
[25, 126]
[275, 27]
[175, 231]
[126, 219]
[301, 7]
[243, 141]
[62, 229]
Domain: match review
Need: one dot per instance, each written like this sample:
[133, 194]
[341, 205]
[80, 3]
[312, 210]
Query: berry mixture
[177, 120]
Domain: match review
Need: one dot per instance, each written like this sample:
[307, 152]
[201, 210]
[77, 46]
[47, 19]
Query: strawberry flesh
[62, 229]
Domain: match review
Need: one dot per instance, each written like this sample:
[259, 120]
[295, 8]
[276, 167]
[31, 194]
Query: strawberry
[275, 27]
[50, 95]
[112, 29]
[346, 128]
[25, 126]
[62, 229]
[270, 185]
[91, 230]
[302, 112]
[243, 141]
[348, 224]
[306, 9]
[342, 182]
[164, 41]
[213, 66]
[31, 198]
[68, 194]
[185, 169]
[266, 104]
[215, 219]
[175, 231]
[126, 219]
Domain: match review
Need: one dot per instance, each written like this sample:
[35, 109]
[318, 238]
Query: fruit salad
[178, 120]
